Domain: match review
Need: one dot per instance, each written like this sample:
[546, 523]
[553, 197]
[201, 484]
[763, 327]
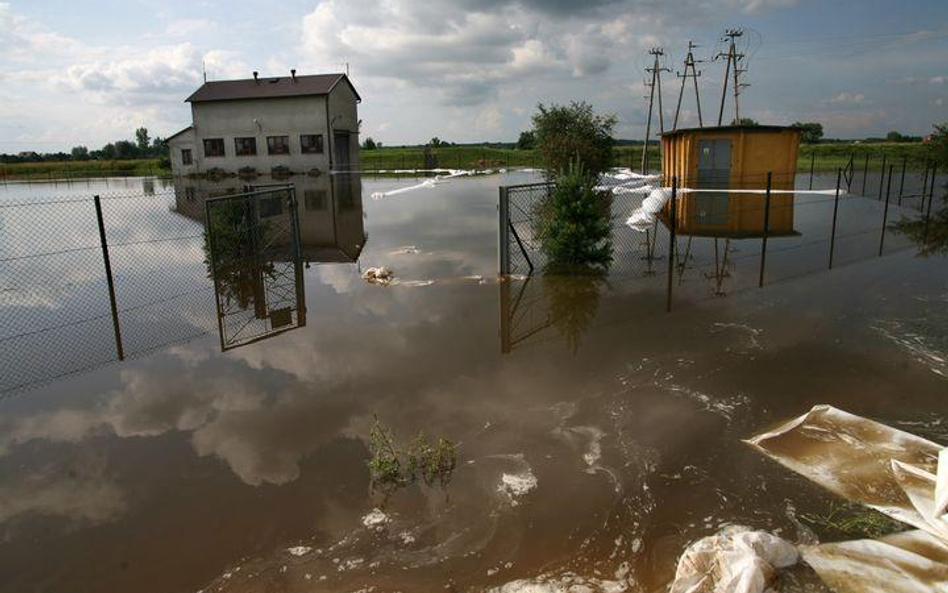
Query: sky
[86, 72]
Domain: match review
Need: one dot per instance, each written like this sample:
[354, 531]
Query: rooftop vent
[293, 74]
[255, 75]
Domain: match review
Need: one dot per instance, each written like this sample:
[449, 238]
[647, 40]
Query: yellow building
[731, 157]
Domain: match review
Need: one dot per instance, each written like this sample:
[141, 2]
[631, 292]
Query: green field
[828, 157]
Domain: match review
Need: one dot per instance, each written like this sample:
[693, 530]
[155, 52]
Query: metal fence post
[503, 241]
[865, 175]
[839, 175]
[931, 198]
[885, 211]
[108, 277]
[812, 161]
[924, 186]
[882, 173]
[298, 255]
[902, 181]
[763, 245]
[672, 223]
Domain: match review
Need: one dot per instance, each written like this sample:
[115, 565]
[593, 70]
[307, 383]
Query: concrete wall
[344, 114]
[183, 141]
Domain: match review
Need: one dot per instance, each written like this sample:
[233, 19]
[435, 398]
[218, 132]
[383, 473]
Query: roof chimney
[255, 74]
[293, 74]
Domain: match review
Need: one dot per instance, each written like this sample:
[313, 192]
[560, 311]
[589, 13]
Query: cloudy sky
[90, 71]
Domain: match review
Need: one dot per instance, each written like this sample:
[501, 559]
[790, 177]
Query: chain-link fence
[90, 279]
[720, 240]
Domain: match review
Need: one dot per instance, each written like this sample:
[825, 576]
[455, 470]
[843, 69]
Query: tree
[745, 121]
[79, 153]
[938, 145]
[125, 149]
[369, 144]
[142, 139]
[436, 142]
[565, 133]
[810, 132]
[894, 136]
[527, 140]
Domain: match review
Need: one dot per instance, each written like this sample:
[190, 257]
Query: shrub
[573, 224]
[567, 133]
[391, 467]
[246, 173]
[280, 171]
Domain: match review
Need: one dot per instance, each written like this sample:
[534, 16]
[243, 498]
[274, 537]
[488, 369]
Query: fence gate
[254, 258]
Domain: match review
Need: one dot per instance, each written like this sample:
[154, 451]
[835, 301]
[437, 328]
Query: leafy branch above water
[393, 467]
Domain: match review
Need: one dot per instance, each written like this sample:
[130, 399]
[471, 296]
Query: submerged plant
[852, 521]
[391, 467]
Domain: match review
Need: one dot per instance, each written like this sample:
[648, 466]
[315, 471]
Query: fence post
[882, 173]
[812, 161]
[108, 277]
[931, 198]
[763, 245]
[672, 223]
[503, 241]
[885, 211]
[902, 181]
[865, 174]
[839, 175]
[924, 186]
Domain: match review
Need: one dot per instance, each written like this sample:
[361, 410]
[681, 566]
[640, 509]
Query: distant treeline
[141, 147]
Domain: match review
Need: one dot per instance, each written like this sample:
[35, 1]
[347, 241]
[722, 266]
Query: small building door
[341, 150]
[714, 172]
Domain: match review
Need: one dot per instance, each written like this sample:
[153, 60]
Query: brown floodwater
[597, 434]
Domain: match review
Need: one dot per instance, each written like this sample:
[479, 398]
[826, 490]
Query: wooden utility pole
[733, 59]
[684, 76]
[656, 72]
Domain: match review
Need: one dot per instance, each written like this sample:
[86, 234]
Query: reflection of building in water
[332, 227]
[733, 215]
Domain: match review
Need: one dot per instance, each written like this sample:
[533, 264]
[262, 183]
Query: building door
[714, 172]
[341, 151]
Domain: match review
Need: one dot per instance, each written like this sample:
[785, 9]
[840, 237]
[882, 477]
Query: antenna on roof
[204, 70]
[347, 69]
[255, 74]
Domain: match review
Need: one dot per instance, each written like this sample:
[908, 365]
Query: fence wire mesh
[54, 287]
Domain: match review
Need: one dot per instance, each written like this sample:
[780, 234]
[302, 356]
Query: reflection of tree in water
[931, 236]
[232, 242]
[574, 301]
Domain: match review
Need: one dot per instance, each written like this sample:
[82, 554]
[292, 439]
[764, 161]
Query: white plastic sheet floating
[624, 181]
[736, 560]
[444, 175]
[645, 215]
[896, 473]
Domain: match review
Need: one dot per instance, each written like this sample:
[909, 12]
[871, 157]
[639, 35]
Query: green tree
[142, 139]
[572, 223]
[745, 121]
[369, 144]
[894, 136]
[436, 142]
[527, 140]
[125, 150]
[565, 133]
[938, 145]
[810, 132]
[79, 153]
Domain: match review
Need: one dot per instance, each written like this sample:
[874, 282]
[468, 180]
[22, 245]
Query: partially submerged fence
[92, 279]
[712, 241]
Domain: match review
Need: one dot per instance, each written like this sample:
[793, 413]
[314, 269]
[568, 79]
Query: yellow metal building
[731, 157]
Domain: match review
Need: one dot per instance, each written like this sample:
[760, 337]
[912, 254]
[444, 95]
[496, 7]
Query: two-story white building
[298, 122]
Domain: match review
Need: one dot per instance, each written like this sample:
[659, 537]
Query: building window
[186, 156]
[214, 147]
[245, 146]
[278, 144]
[311, 143]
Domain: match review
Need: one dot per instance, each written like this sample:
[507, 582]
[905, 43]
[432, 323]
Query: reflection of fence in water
[56, 312]
[724, 242]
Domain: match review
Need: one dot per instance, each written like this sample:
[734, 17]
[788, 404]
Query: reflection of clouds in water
[83, 493]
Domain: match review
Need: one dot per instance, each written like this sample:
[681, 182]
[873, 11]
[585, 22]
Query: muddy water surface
[591, 449]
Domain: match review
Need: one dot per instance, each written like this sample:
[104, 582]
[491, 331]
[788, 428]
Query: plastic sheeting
[736, 560]
[891, 471]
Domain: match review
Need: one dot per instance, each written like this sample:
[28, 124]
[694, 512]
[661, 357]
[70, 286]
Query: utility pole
[733, 59]
[656, 72]
[684, 76]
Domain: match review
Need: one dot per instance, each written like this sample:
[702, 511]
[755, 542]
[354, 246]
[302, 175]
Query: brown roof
[266, 88]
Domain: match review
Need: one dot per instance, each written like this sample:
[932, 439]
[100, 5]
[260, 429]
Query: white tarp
[891, 471]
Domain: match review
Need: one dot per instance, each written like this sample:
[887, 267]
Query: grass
[392, 466]
[850, 521]
[829, 157]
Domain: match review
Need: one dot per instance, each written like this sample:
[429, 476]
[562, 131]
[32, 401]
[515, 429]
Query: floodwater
[597, 434]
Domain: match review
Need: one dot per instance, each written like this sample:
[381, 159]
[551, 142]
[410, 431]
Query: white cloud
[848, 97]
